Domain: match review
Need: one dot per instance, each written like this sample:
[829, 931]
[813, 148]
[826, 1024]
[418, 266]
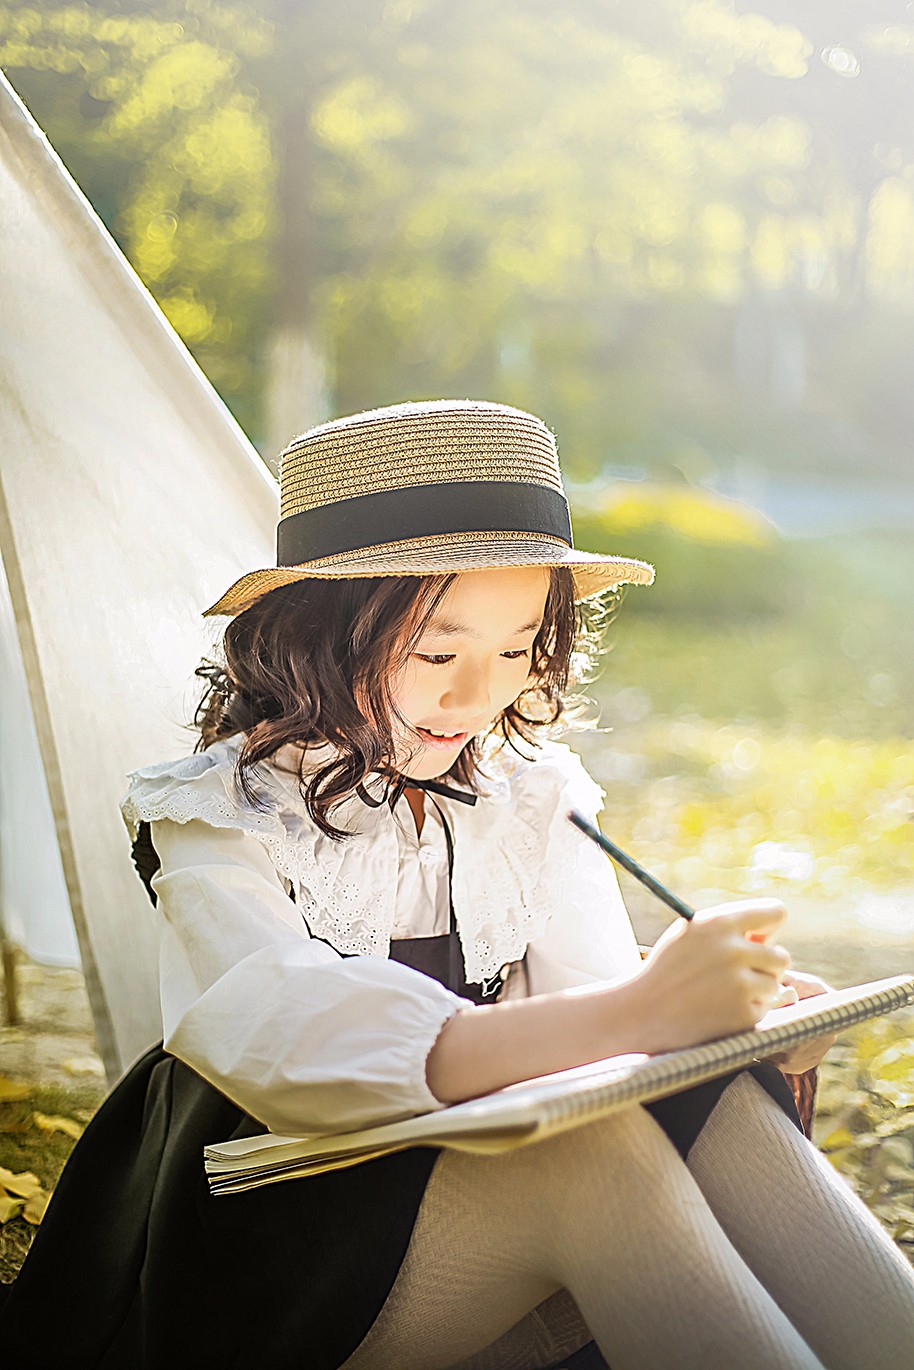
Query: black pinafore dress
[137, 1267]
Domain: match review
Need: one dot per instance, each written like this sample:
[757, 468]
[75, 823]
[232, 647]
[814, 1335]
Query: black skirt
[137, 1267]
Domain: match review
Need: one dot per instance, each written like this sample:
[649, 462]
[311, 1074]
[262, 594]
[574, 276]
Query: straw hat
[419, 489]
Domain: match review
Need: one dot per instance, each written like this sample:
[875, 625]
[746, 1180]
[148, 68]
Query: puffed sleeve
[300, 1037]
[588, 936]
[304, 1039]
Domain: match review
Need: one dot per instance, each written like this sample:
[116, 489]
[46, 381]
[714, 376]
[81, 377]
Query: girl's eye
[442, 658]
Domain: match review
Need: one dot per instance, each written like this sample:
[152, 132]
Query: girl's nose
[467, 693]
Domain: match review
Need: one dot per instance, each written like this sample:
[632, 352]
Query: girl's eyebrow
[446, 628]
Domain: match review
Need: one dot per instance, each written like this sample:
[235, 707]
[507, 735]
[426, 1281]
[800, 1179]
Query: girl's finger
[758, 919]
[764, 990]
[761, 956]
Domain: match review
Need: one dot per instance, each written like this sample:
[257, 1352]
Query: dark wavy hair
[312, 663]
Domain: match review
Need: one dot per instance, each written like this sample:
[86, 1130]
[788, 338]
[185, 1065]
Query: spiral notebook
[539, 1108]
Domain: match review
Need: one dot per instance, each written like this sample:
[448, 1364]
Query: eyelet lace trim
[345, 890]
[514, 853]
[523, 861]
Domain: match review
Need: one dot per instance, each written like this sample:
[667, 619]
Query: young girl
[372, 906]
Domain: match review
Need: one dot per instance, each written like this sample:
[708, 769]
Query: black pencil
[671, 900]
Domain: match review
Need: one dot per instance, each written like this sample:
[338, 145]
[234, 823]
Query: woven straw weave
[434, 442]
[421, 444]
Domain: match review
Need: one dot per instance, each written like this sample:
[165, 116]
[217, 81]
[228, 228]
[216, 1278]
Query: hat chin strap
[422, 511]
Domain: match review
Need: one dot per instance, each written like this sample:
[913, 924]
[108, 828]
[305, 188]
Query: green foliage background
[617, 216]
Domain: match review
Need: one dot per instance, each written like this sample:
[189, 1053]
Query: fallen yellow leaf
[84, 1065]
[25, 1184]
[841, 1137]
[10, 1207]
[35, 1206]
[13, 1089]
[54, 1123]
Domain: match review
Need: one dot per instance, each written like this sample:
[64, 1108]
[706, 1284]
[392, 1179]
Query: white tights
[754, 1255]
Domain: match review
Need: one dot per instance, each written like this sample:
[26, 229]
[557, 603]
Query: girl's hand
[706, 979]
[805, 1055]
[714, 976]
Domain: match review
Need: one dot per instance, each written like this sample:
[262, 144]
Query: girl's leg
[554, 1330]
[607, 1211]
[805, 1234]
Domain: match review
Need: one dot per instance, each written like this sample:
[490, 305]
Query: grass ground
[30, 1146]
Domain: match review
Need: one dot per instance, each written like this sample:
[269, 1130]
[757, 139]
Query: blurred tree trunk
[298, 381]
[305, 56]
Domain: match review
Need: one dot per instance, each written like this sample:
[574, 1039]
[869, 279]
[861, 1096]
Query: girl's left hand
[805, 1055]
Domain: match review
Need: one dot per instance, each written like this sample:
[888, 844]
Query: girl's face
[471, 661]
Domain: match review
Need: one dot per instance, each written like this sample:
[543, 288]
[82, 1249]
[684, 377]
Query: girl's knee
[616, 1162]
[609, 1164]
[747, 1117]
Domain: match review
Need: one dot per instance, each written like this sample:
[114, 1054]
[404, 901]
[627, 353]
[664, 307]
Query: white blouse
[291, 1008]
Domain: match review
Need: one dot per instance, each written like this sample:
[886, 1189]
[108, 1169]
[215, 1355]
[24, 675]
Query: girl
[372, 906]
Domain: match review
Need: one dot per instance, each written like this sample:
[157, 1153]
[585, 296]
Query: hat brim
[436, 556]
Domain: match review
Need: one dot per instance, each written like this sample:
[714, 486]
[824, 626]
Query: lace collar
[508, 873]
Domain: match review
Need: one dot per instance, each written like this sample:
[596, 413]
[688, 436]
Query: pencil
[666, 896]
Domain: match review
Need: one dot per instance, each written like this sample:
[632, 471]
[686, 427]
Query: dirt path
[54, 1042]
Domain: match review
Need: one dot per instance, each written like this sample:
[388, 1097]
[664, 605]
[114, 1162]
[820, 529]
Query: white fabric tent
[34, 906]
[129, 499]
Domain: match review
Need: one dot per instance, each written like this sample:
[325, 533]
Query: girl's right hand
[716, 975]
[705, 979]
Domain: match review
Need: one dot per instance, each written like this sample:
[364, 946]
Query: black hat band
[421, 511]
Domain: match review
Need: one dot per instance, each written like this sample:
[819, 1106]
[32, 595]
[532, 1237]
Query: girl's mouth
[443, 742]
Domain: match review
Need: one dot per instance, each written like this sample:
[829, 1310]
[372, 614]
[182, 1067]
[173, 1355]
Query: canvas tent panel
[129, 499]
[34, 907]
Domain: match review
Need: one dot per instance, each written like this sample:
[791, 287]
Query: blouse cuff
[356, 1059]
